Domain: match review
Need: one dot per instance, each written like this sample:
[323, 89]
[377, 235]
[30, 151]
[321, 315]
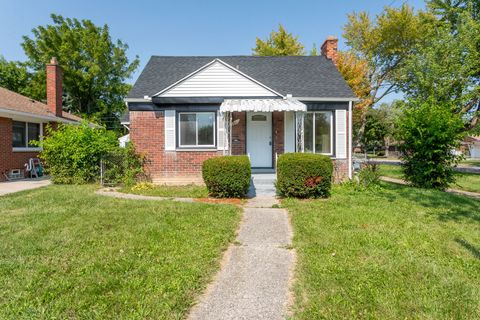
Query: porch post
[227, 136]
[299, 134]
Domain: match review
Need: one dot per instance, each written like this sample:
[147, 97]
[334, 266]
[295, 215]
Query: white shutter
[221, 144]
[341, 134]
[169, 130]
[289, 132]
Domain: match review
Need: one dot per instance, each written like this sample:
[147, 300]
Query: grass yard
[470, 163]
[395, 253]
[66, 253]
[465, 181]
[188, 191]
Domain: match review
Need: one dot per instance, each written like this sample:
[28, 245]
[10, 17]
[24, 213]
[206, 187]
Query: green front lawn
[188, 191]
[470, 163]
[465, 181]
[66, 253]
[395, 253]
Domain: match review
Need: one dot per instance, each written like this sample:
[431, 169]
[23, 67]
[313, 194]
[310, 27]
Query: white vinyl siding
[218, 80]
[289, 139]
[170, 130]
[341, 134]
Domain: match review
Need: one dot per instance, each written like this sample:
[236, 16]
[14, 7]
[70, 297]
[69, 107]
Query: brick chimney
[329, 49]
[54, 87]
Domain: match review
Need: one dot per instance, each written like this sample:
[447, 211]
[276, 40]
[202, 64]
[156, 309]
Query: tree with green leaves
[94, 66]
[279, 43]
[14, 76]
[429, 133]
[446, 65]
[380, 126]
[380, 47]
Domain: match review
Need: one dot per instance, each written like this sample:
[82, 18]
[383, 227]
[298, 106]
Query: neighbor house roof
[17, 103]
[300, 76]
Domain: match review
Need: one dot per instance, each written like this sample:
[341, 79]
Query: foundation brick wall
[340, 170]
[171, 167]
[8, 158]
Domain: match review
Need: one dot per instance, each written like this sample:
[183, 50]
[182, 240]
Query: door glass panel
[322, 132]
[308, 132]
[259, 117]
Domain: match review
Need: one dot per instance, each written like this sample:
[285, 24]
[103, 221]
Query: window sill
[196, 149]
[20, 149]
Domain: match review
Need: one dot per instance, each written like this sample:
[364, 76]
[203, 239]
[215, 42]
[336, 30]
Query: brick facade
[278, 119]
[239, 133]
[9, 159]
[171, 167]
[184, 167]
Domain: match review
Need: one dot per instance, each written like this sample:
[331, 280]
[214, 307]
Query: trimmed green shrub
[304, 175]
[227, 176]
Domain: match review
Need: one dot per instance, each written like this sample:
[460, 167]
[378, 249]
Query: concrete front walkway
[254, 279]
[21, 185]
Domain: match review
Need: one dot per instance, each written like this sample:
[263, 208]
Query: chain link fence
[121, 167]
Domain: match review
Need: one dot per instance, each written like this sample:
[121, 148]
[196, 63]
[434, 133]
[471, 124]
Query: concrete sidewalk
[254, 279]
[24, 184]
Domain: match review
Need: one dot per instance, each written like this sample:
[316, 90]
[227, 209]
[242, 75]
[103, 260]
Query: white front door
[259, 139]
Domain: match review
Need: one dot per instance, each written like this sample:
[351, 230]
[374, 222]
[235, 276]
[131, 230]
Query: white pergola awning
[261, 105]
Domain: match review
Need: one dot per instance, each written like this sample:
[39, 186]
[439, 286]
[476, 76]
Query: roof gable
[300, 76]
[217, 79]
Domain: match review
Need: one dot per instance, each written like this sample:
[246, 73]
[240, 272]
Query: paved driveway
[20, 185]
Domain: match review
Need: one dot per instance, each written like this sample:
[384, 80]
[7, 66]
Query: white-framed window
[196, 129]
[23, 133]
[318, 132]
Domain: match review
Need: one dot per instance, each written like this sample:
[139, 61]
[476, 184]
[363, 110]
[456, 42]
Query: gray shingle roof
[301, 76]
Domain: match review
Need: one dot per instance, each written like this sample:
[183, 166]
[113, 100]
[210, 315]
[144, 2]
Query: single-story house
[23, 119]
[183, 110]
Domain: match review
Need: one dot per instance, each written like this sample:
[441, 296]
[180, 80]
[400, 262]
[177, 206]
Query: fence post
[101, 172]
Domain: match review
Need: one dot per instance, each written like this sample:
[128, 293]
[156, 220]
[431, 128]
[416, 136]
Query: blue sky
[190, 27]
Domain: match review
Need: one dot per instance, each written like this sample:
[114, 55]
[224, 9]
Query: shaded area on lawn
[188, 191]
[392, 253]
[67, 253]
[465, 181]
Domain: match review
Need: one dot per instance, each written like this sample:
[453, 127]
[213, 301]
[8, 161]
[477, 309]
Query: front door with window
[259, 139]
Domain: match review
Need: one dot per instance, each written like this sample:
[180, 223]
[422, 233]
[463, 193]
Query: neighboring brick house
[23, 119]
[183, 110]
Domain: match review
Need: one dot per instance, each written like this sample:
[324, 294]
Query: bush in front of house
[123, 166]
[72, 154]
[227, 176]
[429, 132]
[304, 175]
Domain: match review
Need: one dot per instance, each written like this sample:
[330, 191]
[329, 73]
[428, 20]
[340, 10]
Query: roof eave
[9, 112]
[327, 99]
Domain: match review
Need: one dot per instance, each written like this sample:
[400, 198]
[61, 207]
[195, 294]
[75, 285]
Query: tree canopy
[279, 43]
[94, 66]
[15, 77]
